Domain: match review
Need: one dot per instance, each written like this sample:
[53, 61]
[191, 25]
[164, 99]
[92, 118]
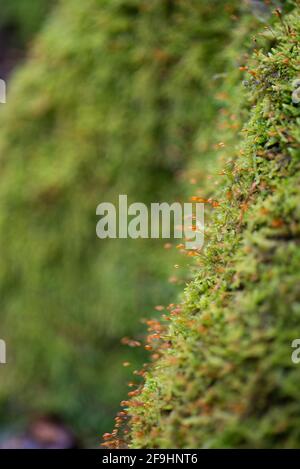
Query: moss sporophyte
[225, 370]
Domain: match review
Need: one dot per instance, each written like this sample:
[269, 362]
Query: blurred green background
[105, 97]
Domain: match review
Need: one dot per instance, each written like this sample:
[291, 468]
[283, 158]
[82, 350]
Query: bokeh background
[105, 97]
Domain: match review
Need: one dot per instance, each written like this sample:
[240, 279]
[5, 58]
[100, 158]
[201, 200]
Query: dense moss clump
[225, 377]
[109, 102]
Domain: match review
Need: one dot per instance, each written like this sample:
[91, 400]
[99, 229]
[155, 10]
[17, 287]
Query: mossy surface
[109, 102]
[225, 377]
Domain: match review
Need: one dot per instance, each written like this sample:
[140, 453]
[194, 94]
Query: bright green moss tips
[228, 380]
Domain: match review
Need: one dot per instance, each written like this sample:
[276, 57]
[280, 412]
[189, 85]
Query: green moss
[226, 378]
[108, 103]
[25, 18]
